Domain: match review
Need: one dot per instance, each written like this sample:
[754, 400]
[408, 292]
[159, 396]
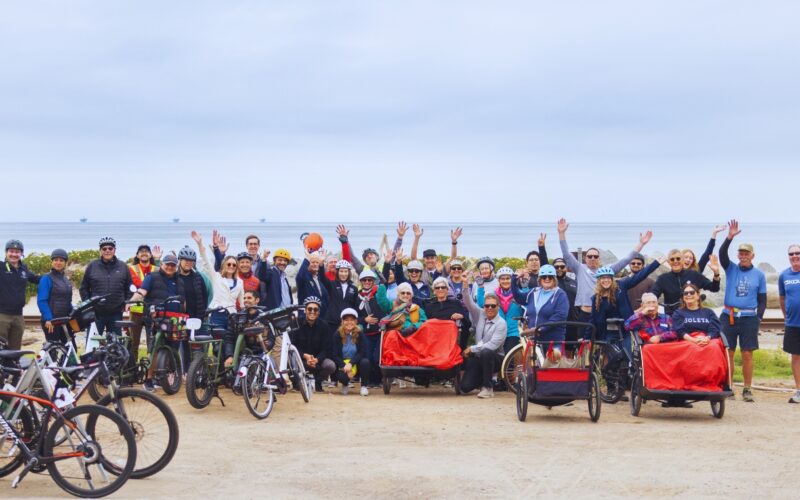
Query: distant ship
[262, 220]
[176, 220]
[84, 219]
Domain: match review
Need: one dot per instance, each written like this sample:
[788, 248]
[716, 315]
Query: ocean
[498, 239]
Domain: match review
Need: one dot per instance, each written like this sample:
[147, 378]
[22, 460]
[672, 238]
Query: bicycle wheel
[257, 389]
[168, 374]
[610, 390]
[154, 425]
[522, 397]
[508, 368]
[57, 352]
[298, 375]
[594, 398]
[10, 453]
[199, 386]
[98, 389]
[88, 459]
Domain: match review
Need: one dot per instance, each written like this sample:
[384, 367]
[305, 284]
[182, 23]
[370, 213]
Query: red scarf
[506, 297]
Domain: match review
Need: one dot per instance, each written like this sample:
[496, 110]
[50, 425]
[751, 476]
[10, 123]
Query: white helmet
[367, 273]
[415, 265]
[343, 264]
[504, 271]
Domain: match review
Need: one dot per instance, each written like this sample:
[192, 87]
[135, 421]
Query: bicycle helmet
[312, 300]
[343, 264]
[504, 271]
[487, 260]
[547, 270]
[367, 252]
[367, 273]
[14, 245]
[187, 253]
[415, 265]
[243, 255]
[604, 271]
[282, 253]
[349, 312]
[59, 253]
[108, 240]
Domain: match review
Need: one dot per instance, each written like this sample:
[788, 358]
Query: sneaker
[364, 390]
[448, 384]
[486, 393]
[747, 395]
[345, 389]
[149, 386]
[318, 386]
[796, 397]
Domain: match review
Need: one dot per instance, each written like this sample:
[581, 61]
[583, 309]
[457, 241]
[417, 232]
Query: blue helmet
[604, 271]
[547, 270]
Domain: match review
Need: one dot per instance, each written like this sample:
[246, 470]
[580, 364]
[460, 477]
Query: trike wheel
[199, 386]
[387, 384]
[508, 369]
[636, 396]
[522, 397]
[718, 408]
[594, 398]
[168, 374]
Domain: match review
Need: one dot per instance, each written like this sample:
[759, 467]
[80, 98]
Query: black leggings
[479, 368]
[363, 372]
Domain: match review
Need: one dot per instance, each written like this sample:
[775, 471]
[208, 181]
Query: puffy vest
[60, 300]
[159, 290]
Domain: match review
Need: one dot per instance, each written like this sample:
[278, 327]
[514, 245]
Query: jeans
[106, 322]
[374, 356]
[363, 369]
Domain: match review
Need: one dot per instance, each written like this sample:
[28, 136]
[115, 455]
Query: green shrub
[83, 256]
[767, 364]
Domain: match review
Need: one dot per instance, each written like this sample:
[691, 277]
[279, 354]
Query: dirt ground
[429, 443]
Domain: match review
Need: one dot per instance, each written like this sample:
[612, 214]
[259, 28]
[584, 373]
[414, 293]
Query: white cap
[349, 312]
[366, 273]
[415, 264]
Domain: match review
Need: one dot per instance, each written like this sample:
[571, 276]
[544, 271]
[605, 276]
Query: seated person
[547, 303]
[312, 340]
[349, 352]
[404, 315]
[653, 327]
[693, 317]
[443, 306]
[251, 300]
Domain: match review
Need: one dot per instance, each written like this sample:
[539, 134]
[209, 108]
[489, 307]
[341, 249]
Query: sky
[662, 111]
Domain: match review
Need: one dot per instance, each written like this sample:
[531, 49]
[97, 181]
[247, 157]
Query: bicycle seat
[60, 321]
[14, 354]
[202, 338]
[70, 370]
[123, 324]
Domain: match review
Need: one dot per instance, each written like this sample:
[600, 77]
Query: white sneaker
[364, 390]
[401, 384]
[796, 397]
[486, 393]
[345, 390]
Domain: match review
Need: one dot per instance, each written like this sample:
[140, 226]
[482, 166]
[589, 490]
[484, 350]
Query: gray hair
[649, 296]
[794, 245]
[493, 296]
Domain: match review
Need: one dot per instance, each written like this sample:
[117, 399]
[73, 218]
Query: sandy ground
[428, 443]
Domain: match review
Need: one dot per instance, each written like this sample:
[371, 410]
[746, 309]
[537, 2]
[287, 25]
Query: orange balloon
[313, 242]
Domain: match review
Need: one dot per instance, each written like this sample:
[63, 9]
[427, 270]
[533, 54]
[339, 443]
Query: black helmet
[487, 260]
[59, 253]
[244, 255]
[108, 240]
[367, 252]
[187, 253]
[14, 245]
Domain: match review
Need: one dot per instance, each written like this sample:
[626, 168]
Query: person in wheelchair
[653, 327]
[692, 317]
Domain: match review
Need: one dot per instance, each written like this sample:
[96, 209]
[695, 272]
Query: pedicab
[557, 373]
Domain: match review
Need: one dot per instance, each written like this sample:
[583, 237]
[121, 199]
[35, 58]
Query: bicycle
[514, 357]
[89, 451]
[612, 363]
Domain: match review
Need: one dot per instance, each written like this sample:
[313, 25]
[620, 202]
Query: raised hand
[541, 240]
[197, 238]
[342, 231]
[389, 255]
[222, 244]
[733, 229]
[398, 255]
[662, 259]
[402, 227]
[717, 229]
[439, 266]
[455, 234]
[265, 255]
[562, 226]
[645, 237]
[417, 231]
[214, 237]
[713, 263]
[157, 253]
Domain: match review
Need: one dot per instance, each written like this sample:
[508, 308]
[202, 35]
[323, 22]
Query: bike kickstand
[216, 395]
[30, 465]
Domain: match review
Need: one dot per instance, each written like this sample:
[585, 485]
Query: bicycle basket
[173, 325]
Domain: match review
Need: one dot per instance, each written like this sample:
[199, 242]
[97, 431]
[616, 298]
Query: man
[745, 303]
[789, 290]
[107, 276]
[253, 245]
[244, 263]
[585, 272]
[250, 300]
[312, 282]
[432, 266]
[533, 262]
[635, 292]
[671, 284]
[145, 262]
[14, 278]
[483, 358]
[196, 285]
[278, 291]
[312, 340]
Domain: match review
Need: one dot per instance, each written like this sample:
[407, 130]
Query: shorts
[743, 332]
[791, 340]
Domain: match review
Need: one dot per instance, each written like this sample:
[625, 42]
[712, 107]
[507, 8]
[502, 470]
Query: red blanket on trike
[434, 345]
[685, 366]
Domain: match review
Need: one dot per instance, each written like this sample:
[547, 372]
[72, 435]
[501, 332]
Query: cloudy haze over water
[422, 110]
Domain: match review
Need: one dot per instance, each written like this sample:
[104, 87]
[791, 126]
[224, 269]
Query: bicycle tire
[97, 389]
[26, 429]
[199, 386]
[508, 372]
[610, 391]
[257, 391]
[149, 440]
[299, 374]
[114, 432]
[168, 373]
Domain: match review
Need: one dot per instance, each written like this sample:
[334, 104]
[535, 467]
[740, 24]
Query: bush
[767, 364]
[83, 257]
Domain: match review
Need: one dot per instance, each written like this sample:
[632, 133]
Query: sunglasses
[490, 306]
[230, 264]
[456, 268]
[794, 254]
[560, 267]
[440, 288]
[546, 278]
[414, 271]
[107, 248]
[592, 256]
[636, 263]
[312, 309]
[368, 280]
[675, 259]
[689, 292]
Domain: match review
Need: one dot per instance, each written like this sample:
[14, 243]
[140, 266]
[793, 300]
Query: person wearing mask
[313, 341]
[54, 296]
[745, 303]
[145, 262]
[227, 288]
[484, 357]
[789, 292]
[692, 318]
[107, 276]
[349, 352]
[670, 284]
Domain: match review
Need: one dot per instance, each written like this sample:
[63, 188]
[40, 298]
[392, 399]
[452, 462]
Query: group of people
[347, 300]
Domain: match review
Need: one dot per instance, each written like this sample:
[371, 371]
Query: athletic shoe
[401, 384]
[364, 390]
[345, 389]
[796, 397]
[747, 395]
[486, 393]
[149, 386]
[448, 384]
[318, 386]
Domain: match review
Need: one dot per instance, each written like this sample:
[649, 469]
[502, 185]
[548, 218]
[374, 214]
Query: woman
[369, 315]
[349, 352]
[342, 293]
[55, 296]
[546, 303]
[653, 327]
[228, 289]
[689, 260]
[693, 318]
[388, 273]
[404, 315]
[486, 276]
[509, 308]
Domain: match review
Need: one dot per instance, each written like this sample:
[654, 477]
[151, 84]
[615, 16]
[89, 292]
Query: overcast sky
[423, 110]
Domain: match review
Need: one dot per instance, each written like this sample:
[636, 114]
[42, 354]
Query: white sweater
[224, 295]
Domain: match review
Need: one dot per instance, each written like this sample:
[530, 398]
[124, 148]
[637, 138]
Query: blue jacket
[555, 309]
[271, 277]
[622, 309]
[306, 287]
[421, 293]
[514, 310]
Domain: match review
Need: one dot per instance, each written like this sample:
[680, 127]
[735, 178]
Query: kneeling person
[350, 352]
[313, 341]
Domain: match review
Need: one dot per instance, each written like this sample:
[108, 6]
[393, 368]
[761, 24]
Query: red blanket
[434, 345]
[685, 366]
